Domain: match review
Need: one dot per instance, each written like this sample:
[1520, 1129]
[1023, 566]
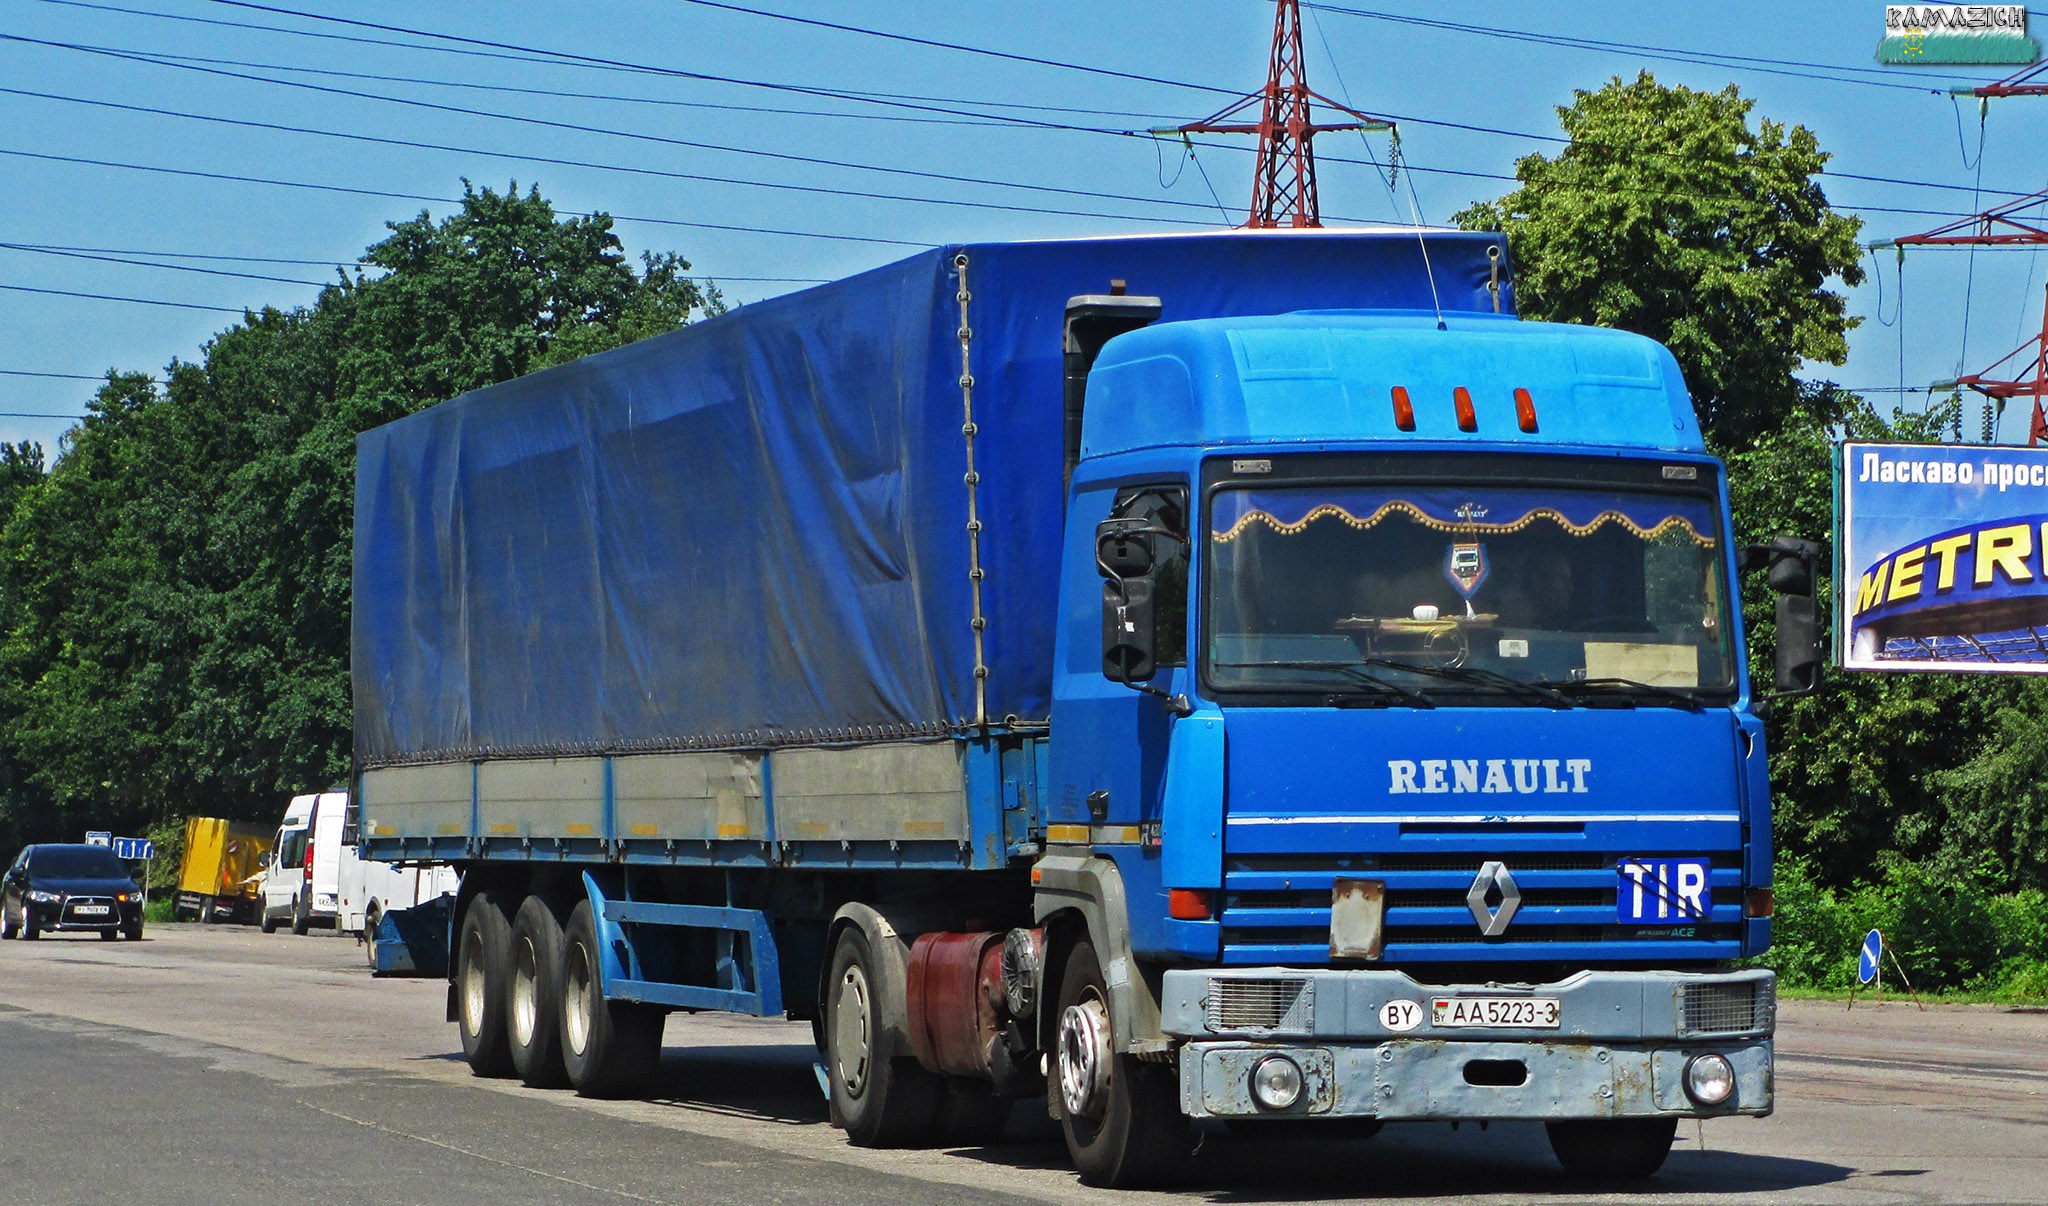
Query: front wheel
[879, 1096]
[1612, 1147]
[609, 1048]
[1121, 1116]
[132, 930]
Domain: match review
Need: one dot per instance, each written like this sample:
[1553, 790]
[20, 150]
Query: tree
[174, 592]
[1667, 215]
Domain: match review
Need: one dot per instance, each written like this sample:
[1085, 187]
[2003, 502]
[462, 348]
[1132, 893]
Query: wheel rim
[850, 1031]
[525, 993]
[578, 1004]
[472, 991]
[1084, 1057]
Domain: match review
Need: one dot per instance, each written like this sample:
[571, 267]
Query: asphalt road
[221, 1066]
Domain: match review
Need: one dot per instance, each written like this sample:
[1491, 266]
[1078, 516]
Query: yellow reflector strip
[1066, 833]
[579, 830]
[644, 830]
[734, 830]
[503, 830]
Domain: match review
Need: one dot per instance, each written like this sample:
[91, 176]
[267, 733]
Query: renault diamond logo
[1493, 920]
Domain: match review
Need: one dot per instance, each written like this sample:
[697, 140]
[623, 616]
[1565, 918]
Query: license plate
[1494, 1013]
[90, 910]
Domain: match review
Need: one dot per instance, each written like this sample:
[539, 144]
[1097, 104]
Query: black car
[54, 887]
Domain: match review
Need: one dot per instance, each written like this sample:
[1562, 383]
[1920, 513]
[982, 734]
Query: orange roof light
[1404, 410]
[1467, 420]
[1525, 410]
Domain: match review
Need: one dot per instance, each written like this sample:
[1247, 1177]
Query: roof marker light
[1525, 410]
[1467, 420]
[1404, 410]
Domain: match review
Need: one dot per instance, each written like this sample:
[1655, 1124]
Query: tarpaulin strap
[973, 479]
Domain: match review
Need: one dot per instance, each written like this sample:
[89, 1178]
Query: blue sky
[742, 215]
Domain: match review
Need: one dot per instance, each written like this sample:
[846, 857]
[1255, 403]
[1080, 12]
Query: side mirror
[1125, 555]
[1792, 565]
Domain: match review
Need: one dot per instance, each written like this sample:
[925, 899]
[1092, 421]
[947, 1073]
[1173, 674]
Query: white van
[370, 889]
[315, 876]
[301, 884]
[284, 875]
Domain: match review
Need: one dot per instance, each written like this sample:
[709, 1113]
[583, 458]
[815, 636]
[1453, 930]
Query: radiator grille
[1260, 1004]
[1728, 1008]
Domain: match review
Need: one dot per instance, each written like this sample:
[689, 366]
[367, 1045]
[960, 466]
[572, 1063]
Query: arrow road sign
[1866, 960]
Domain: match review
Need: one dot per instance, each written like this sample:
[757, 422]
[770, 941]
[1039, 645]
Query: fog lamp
[1276, 1082]
[1709, 1079]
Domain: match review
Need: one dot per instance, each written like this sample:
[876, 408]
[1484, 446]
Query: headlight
[42, 897]
[1276, 1082]
[1709, 1079]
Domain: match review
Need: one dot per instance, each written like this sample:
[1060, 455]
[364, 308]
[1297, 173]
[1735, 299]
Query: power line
[977, 115]
[807, 160]
[1786, 67]
[371, 192]
[184, 255]
[52, 376]
[140, 301]
[114, 259]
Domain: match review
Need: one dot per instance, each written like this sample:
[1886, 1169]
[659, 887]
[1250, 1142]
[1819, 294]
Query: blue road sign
[133, 849]
[1866, 960]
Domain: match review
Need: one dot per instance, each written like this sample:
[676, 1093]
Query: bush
[1949, 932]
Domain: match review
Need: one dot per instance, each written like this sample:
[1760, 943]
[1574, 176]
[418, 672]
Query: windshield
[76, 862]
[1391, 592]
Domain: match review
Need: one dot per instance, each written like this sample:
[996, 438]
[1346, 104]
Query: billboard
[1939, 562]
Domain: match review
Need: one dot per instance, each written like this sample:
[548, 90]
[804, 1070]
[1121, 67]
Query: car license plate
[1494, 1013]
[90, 910]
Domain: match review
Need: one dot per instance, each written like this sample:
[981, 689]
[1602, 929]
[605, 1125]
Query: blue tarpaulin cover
[753, 531]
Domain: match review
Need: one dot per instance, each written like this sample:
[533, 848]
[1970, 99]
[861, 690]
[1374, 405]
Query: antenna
[1284, 186]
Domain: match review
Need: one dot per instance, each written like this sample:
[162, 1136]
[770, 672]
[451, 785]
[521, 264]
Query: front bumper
[76, 914]
[1620, 1049]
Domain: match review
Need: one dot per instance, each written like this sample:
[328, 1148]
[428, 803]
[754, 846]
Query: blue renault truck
[1240, 677]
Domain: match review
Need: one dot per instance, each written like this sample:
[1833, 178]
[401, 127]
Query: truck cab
[1418, 740]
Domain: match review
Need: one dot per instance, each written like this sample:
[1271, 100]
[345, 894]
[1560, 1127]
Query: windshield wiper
[1628, 689]
[1476, 675]
[1356, 672]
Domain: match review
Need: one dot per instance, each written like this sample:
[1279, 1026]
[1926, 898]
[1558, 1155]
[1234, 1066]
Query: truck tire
[1121, 1116]
[302, 912]
[1612, 1148]
[609, 1048]
[483, 955]
[880, 1096]
[533, 1023]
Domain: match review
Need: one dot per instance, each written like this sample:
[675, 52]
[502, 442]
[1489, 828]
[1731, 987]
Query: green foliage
[1950, 932]
[174, 592]
[1666, 214]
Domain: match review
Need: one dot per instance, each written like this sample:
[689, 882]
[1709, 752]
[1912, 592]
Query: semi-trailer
[1230, 676]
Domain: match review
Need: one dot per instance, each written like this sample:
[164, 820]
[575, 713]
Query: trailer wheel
[483, 954]
[880, 1097]
[1612, 1147]
[534, 1020]
[1122, 1116]
[609, 1048]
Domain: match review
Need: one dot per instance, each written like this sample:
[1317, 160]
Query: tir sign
[1662, 889]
